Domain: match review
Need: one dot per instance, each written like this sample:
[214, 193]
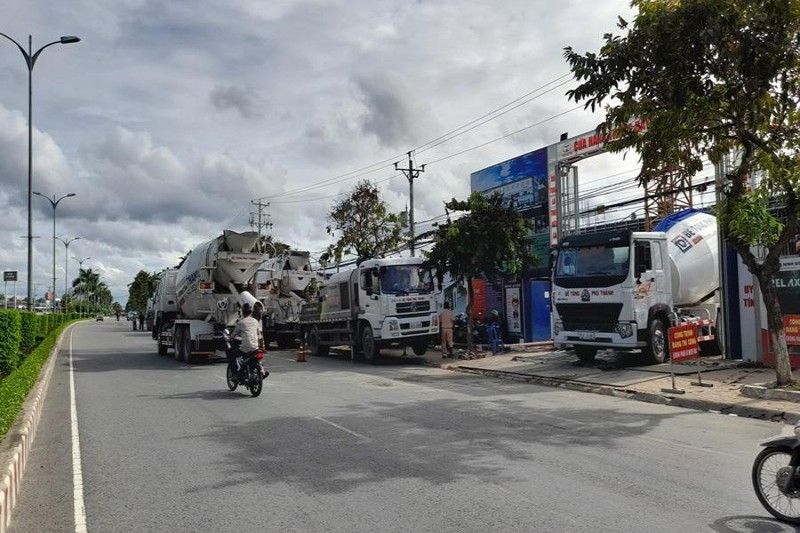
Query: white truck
[623, 289]
[283, 284]
[210, 286]
[164, 306]
[379, 304]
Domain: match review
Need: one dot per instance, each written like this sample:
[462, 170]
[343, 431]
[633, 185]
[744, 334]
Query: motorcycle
[776, 477]
[245, 370]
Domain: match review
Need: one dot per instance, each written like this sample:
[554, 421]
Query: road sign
[10, 275]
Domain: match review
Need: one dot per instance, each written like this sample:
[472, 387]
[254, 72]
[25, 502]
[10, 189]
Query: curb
[16, 446]
[765, 392]
[789, 417]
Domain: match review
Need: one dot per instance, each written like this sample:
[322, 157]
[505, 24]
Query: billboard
[522, 180]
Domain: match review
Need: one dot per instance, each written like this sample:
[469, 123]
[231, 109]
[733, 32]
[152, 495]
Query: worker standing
[446, 326]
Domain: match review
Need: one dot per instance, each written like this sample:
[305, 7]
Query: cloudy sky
[169, 118]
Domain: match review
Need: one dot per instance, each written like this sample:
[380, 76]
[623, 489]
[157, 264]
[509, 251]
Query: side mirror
[369, 291]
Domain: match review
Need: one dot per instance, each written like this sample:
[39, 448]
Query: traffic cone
[301, 355]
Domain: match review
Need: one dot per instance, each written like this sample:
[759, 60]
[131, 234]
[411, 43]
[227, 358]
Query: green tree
[140, 289]
[364, 225]
[710, 78]
[90, 293]
[487, 239]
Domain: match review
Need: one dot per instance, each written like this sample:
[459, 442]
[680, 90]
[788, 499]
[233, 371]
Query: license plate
[587, 335]
[416, 325]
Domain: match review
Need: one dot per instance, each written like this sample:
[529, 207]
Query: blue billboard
[522, 179]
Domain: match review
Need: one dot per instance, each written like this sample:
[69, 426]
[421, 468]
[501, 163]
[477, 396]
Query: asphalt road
[337, 446]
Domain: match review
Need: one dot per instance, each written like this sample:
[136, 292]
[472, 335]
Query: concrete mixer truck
[210, 286]
[623, 290]
[381, 303]
[283, 284]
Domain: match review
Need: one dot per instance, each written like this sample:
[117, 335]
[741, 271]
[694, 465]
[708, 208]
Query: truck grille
[413, 307]
[589, 317]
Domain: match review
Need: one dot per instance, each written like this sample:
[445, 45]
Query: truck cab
[607, 289]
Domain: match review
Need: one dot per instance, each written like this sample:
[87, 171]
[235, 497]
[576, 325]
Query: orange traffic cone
[301, 355]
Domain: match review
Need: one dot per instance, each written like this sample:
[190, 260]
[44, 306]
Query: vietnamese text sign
[791, 324]
[683, 343]
[10, 275]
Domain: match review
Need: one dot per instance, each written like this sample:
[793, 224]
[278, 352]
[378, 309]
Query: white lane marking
[77, 473]
[342, 428]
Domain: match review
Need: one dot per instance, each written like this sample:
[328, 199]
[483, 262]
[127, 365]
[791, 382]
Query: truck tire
[586, 354]
[162, 350]
[177, 341]
[420, 347]
[315, 346]
[187, 347]
[368, 345]
[656, 351]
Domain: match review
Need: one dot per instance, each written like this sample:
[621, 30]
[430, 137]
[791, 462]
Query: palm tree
[89, 289]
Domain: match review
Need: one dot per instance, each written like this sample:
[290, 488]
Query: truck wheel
[187, 347]
[420, 348]
[177, 341]
[656, 350]
[586, 354]
[371, 351]
[162, 350]
[314, 345]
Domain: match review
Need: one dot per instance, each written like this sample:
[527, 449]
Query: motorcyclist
[249, 330]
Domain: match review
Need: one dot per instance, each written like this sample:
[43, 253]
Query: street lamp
[54, 203]
[66, 260]
[80, 266]
[30, 61]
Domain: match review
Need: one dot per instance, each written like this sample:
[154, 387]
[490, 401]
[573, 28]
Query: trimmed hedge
[15, 387]
[29, 326]
[10, 337]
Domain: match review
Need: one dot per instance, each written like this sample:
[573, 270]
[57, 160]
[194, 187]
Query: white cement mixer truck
[210, 286]
[622, 290]
[283, 284]
[381, 303]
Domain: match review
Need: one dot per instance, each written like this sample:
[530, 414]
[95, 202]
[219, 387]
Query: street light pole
[54, 203]
[66, 261]
[30, 61]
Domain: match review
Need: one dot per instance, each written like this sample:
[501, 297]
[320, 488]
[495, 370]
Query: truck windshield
[406, 279]
[592, 261]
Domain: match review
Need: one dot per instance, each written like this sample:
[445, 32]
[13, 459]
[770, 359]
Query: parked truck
[165, 306]
[380, 303]
[283, 284]
[210, 285]
[624, 289]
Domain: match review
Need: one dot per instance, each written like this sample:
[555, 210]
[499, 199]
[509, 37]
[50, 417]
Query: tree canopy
[717, 79]
[364, 225]
[485, 239]
[140, 289]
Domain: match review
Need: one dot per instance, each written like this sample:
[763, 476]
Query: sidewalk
[736, 386]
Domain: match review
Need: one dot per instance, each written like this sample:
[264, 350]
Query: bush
[15, 387]
[29, 327]
[10, 337]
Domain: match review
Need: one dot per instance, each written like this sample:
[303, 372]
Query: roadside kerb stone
[767, 391]
[788, 417]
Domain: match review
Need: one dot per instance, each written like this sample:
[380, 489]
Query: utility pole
[259, 219]
[410, 173]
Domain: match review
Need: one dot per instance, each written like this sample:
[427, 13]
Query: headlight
[624, 329]
[558, 327]
[435, 321]
[394, 325]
